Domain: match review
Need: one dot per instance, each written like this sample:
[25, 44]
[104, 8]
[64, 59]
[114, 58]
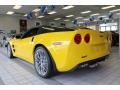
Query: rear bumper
[68, 66]
[95, 60]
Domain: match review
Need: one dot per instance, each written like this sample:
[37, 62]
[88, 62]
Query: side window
[31, 32]
[40, 31]
[44, 30]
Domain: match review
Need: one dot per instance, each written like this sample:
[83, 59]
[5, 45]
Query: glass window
[107, 28]
[113, 28]
[102, 29]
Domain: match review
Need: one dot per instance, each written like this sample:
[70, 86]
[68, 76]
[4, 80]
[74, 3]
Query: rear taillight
[87, 38]
[77, 38]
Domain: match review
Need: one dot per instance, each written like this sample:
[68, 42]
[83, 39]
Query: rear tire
[9, 52]
[42, 62]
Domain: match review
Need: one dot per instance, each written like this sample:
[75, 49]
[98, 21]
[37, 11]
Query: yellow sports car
[53, 49]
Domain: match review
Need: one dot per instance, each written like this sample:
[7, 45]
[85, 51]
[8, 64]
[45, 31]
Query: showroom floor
[17, 71]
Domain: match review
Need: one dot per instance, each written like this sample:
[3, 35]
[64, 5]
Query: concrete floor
[16, 71]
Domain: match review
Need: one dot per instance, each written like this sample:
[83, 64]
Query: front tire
[9, 51]
[42, 62]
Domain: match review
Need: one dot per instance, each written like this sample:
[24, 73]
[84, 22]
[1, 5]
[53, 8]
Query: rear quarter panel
[57, 44]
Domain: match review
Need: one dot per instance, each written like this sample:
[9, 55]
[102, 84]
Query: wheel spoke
[41, 62]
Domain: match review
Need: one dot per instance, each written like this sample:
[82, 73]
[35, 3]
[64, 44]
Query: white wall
[57, 24]
[8, 23]
[52, 22]
[31, 23]
[92, 27]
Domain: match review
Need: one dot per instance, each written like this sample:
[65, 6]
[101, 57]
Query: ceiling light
[86, 19]
[78, 17]
[17, 7]
[52, 12]
[95, 14]
[68, 7]
[95, 20]
[10, 12]
[67, 20]
[106, 18]
[57, 19]
[102, 16]
[70, 16]
[85, 12]
[115, 10]
[107, 7]
[40, 16]
[36, 10]
[25, 15]
[80, 22]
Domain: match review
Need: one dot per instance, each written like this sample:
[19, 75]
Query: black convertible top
[42, 30]
[46, 29]
[55, 29]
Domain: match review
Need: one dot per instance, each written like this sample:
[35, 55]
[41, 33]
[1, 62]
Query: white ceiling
[60, 12]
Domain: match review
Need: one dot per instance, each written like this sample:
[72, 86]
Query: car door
[26, 45]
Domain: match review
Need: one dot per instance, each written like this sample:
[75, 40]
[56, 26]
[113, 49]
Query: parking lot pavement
[16, 71]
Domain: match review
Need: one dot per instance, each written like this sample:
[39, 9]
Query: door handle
[32, 39]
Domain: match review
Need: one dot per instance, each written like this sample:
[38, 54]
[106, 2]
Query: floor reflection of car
[53, 49]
